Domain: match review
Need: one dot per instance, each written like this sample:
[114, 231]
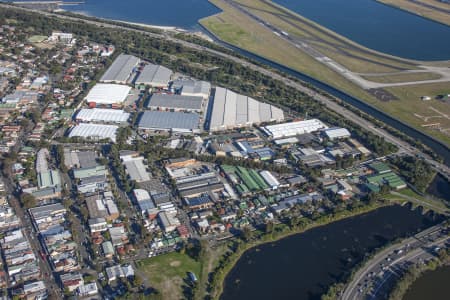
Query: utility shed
[155, 76]
[121, 69]
[175, 102]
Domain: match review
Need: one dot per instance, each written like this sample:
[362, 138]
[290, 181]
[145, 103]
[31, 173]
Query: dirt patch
[175, 263]
[382, 95]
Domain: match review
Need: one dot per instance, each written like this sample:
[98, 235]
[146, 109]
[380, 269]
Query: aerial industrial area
[116, 159]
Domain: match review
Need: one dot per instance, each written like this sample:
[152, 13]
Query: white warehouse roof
[270, 179]
[141, 195]
[233, 110]
[293, 128]
[106, 93]
[94, 131]
[102, 115]
[337, 133]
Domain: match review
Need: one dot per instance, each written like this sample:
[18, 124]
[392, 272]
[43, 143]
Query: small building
[201, 202]
[336, 133]
[168, 221]
[191, 87]
[108, 249]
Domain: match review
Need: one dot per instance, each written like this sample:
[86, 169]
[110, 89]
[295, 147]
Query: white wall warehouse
[102, 115]
[231, 110]
[94, 131]
[337, 133]
[108, 93]
[293, 128]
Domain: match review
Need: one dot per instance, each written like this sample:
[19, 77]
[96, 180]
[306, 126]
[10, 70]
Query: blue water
[378, 27]
[179, 13]
[366, 22]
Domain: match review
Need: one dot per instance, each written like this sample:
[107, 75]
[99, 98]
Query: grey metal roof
[175, 101]
[87, 159]
[191, 86]
[120, 69]
[154, 75]
[168, 120]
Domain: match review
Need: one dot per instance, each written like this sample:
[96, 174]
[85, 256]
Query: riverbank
[415, 272]
[235, 27]
[279, 232]
[436, 14]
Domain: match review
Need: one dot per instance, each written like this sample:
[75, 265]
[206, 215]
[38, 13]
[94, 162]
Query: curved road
[329, 102]
[375, 276]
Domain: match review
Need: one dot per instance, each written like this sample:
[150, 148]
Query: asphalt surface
[329, 102]
[377, 276]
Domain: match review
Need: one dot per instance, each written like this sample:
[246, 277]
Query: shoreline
[217, 290]
[152, 26]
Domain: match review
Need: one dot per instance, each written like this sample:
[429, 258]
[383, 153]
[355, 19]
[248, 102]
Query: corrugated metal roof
[94, 131]
[232, 110]
[168, 120]
[106, 93]
[102, 115]
[154, 75]
[175, 102]
[120, 70]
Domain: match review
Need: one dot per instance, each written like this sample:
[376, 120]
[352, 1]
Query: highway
[328, 101]
[376, 277]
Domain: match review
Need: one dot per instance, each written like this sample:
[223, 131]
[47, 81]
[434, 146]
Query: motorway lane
[390, 262]
[329, 102]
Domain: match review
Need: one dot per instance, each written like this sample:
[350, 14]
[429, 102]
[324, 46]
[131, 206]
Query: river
[433, 283]
[304, 265]
[179, 13]
[378, 26]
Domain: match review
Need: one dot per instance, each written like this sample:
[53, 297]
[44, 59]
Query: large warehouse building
[155, 76]
[94, 131]
[175, 102]
[107, 94]
[121, 69]
[169, 121]
[231, 110]
[102, 115]
[191, 87]
[293, 128]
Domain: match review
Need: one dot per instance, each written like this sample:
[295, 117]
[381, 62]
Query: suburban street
[380, 273]
[329, 102]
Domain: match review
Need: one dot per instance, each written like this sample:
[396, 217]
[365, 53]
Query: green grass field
[167, 273]
[403, 77]
[238, 29]
[428, 203]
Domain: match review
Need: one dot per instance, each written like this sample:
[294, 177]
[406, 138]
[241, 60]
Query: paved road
[328, 101]
[376, 276]
[31, 235]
